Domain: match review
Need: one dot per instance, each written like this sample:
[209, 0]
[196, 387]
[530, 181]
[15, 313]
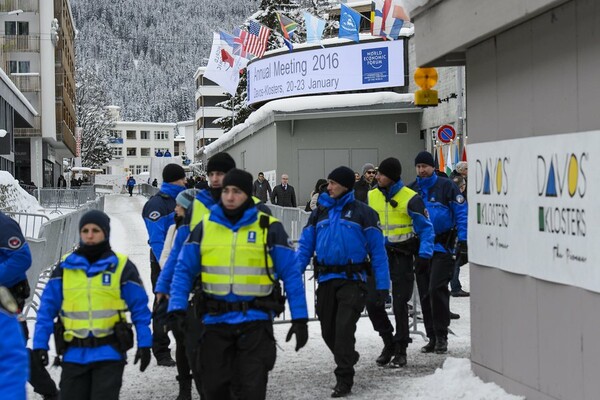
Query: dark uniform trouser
[339, 304]
[186, 353]
[435, 296]
[237, 358]
[96, 381]
[403, 278]
[160, 338]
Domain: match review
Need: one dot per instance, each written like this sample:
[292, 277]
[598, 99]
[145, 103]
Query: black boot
[387, 352]
[429, 347]
[185, 388]
[341, 390]
[441, 345]
[399, 359]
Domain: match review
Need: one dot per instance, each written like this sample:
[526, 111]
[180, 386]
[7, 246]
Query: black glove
[300, 328]
[462, 252]
[382, 296]
[143, 356]
[421, 264]
[159, 313]
[177, 321]
[42, 355]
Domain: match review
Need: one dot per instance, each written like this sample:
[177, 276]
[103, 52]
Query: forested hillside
[146, 51]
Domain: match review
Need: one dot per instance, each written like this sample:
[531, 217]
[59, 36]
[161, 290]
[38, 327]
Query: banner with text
[532, 207]
[327, 70]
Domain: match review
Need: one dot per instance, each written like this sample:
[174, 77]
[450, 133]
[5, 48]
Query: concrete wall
[533, 337]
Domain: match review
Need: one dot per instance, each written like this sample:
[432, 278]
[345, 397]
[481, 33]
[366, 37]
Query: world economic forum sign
[359, 66]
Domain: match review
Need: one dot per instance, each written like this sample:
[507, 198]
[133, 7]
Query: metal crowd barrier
[146, 190]
[65, 198]
[55, 238]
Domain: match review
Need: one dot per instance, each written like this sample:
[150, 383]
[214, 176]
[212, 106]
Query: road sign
[446, 133]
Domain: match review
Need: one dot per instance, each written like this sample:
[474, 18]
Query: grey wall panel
[360, 157]
[590, 303]
[554, 71]
[335, 158]
[311, 163]
[560, 342]
[486, 318]
[520, 329]
[515, 86]
[588, 60]
[260, 151]
[511, 386]
[482, 100]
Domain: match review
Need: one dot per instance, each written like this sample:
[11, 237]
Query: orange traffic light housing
[426, 78]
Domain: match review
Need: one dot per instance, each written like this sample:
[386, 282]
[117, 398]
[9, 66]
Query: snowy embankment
[14, 198]
[308, 374]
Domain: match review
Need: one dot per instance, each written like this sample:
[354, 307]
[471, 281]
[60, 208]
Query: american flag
[256, 40]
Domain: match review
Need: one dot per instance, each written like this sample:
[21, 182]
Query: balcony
[25, 5]
[20, 43]
[64, 135]
[35, 131]
[26, 82]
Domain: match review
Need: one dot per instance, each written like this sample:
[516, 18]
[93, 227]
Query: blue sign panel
[375, 65]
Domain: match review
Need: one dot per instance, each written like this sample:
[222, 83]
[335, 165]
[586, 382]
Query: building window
[145, 168]
[117, 151]
[145, 152]
[131, 151]
[161, 135]
[18, 67]
[145, 135]
[208, 82]
[14, 28]
[115, 133]
[131, 135]
[138, 169]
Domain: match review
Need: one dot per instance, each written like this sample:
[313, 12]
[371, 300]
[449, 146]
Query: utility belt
[93, 341]
[349, 269]
[447, 239]
[275, 302]
[409, 247]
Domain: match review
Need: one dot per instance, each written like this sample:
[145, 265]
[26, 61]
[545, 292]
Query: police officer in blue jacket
[159, 215]
[346, 237]
[408, 232]
[240, 291]
[94, 281]
[448, 213]
[15, 260]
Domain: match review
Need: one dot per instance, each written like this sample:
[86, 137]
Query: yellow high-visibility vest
[234, 262]
[396, 224]
[199, 210]
[92, 304]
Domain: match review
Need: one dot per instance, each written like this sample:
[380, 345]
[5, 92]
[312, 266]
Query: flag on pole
[349, 23]
[456, 157]
[226, 57]
[257, 38]
[436, 163]
[221, 72]
[464, 153]
[449, 167]
[239, 38]
[388, 18]
[314, 28]
[442, 163]
[288, 26]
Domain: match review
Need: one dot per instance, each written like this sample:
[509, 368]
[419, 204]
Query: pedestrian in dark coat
[284, 195]
[261, 188]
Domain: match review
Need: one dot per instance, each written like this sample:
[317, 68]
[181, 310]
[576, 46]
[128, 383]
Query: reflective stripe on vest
[92, 304]
[234, 262]
[396, 224]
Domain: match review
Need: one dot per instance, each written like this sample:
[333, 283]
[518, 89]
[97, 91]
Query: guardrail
[145, 189]
[55, 238]
[64, 198]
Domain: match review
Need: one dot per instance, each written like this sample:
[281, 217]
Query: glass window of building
[145, 151]
[161, 135]
[145, 135]
[131, 151]
[131, 135]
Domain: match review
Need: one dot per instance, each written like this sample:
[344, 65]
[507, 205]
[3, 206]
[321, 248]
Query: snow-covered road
[308, 374]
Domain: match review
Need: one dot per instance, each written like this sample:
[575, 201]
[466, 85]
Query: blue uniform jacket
[15, 256]
[132, 292]
[341, 232]
[158, 214]
[421, 223]
[446, 205]
[282, 254]
[163, 284]
[14, 362]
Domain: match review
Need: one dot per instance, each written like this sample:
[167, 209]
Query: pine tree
[92, 117]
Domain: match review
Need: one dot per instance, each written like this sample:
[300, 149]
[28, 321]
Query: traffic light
[426, 78]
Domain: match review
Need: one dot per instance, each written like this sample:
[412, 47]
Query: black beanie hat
[424, 157]
[172, 173]
[220, 162]
[391, 168]
[344, 176]
[96, 217]
[240, 179]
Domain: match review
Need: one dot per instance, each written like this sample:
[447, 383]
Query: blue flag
[314, 28]
[349, 23]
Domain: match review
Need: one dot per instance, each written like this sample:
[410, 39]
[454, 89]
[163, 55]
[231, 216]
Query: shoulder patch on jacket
[460, 199]
[14, 242]
[154, 215]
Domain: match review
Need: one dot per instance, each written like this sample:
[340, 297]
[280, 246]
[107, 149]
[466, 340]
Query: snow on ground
[308, 374]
